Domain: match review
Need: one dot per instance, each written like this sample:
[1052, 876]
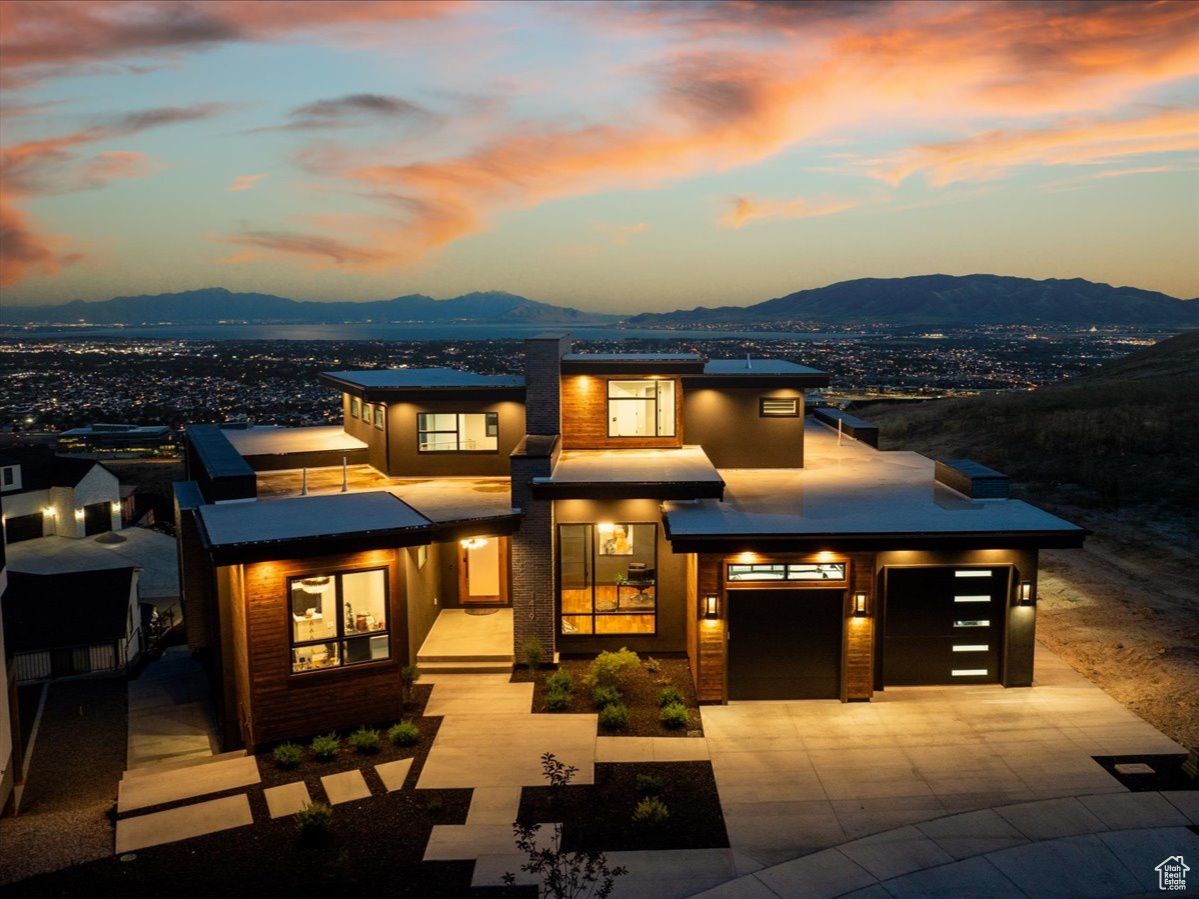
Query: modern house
[47, 495]
[668, 503]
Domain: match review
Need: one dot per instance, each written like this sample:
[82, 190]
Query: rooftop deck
[438, 499]
[848, 488]
[682, 473]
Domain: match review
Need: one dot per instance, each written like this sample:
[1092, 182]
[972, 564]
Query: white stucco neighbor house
[47, 495]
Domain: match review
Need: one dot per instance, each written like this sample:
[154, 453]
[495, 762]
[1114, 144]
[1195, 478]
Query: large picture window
[641, 408]
[458, 432]
[608, 578]
[338, 619]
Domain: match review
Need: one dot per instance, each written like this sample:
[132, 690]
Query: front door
[483, 571]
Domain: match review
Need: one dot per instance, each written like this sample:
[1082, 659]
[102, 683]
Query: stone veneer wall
[532, 588]
[543, 383]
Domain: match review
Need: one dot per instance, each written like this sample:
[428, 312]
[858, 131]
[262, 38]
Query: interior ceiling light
[315, 585]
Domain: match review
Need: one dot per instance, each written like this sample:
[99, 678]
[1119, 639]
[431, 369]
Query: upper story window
[338, 619]
[9, 475]
[355, 408]
[458, 432]
[641, 408]
[379, 417]
[366, 412]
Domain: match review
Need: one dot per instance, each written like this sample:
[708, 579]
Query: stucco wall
[727, 423]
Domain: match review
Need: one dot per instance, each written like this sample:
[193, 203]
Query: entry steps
[185, 779]
[478, 663]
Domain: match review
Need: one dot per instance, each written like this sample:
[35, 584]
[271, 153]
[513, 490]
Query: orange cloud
[747, 209]
[25, 251]
[244, 182]
[39, 38]
[990, 155]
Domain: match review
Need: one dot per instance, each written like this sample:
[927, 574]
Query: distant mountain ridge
[922, 300]
[947, 300]
[215, 304]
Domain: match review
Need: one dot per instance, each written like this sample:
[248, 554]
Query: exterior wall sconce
[711, 607]
[859, 605]
[473, 542]
[116, 505]
[79, 515]
[1024, 595]
[48, 512]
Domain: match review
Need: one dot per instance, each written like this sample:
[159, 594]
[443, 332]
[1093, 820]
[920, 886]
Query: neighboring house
[118, 441]
[10, 728]
[47, 495]
[664, 502]
[82, 622]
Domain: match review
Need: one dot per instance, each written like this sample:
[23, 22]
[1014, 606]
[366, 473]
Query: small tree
[563, 875]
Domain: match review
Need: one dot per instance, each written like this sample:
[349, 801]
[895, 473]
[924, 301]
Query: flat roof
[424, 378]
[753, 366]
[265, 441]
[852, 490]
[643, 473]
[632, 357]
[242, 523]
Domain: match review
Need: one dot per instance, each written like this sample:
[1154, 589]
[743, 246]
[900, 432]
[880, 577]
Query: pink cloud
[244, 182]
[747, 209]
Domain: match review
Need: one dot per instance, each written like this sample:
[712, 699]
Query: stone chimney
[543, 382]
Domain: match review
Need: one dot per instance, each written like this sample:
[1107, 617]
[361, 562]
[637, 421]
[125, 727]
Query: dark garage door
[785, 644]
[944, 625]
[23, 527]
[97, 518]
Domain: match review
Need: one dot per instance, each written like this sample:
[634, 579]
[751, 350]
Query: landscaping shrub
[409, 675]
[674, 715]
[314, 820]
[670, 696]
[404, 734]
[365, 740]
[560, 681]
[557, 700]
[288, 756]
[326, 746]
[605, 696]
[614, 717]
[607, 667]
[533, 653]
[648, 785]
[651, 812]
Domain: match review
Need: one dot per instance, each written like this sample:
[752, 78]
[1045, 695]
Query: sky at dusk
[620, 157]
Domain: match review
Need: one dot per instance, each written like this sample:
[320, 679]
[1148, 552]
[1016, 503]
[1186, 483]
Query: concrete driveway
[797, 777]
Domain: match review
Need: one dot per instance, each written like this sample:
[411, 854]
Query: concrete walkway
[170, 713]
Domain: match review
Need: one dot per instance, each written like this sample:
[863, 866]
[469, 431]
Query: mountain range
[945, 300]
[932, 300]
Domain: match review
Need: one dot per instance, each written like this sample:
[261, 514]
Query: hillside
[1122, 435]
[216, 304]
[947, 300]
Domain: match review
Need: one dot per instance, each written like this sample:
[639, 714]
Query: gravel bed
[78, 759]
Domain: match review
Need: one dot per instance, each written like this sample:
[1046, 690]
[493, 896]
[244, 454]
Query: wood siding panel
[585, 415]
[857, 682]
[710, 656]
[286, 706]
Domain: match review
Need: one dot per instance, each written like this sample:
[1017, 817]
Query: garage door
[944, 625]
[785, 644]
[23, 527]
[97, 518]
